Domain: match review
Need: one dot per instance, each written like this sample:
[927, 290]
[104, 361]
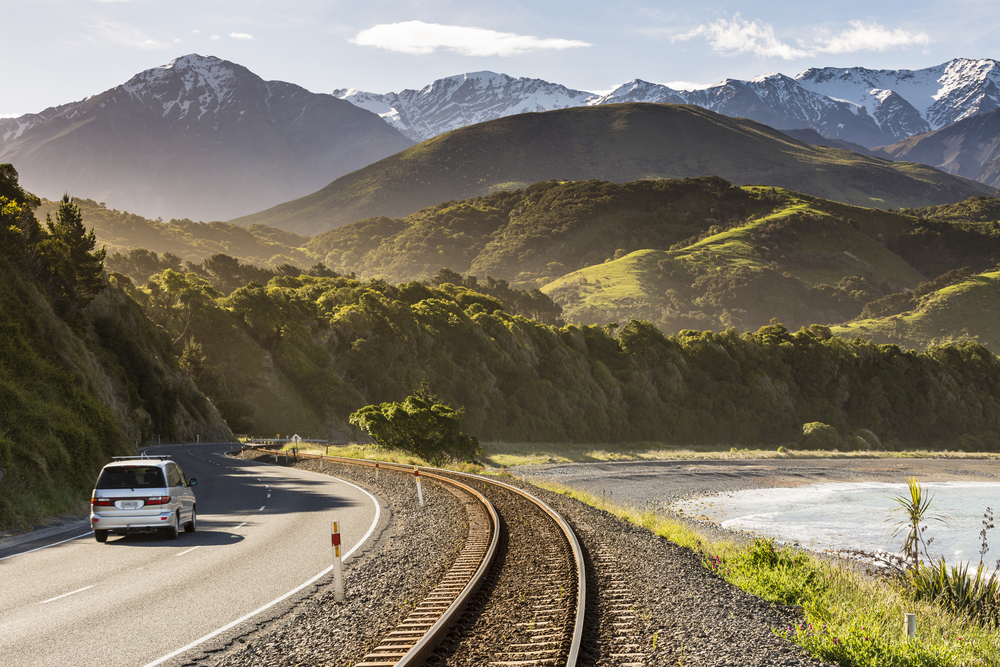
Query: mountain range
[200, 138]
[207, 139]
[862, 106]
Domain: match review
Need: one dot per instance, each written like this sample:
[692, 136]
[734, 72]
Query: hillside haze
[620, 143]
[199, 138]
[969, 147]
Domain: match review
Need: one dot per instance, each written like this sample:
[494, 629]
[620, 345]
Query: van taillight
[158, 500]
[102, 502]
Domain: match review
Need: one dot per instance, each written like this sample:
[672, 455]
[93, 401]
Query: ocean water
[859, 516]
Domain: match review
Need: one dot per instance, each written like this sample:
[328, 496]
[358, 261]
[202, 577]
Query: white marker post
[910, 625]
[376, 472]
[338, 568]
[420, 493]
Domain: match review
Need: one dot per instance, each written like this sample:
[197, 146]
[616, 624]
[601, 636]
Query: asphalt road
[139, 599]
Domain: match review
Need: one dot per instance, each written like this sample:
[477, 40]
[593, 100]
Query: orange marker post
[420, 493]
[338, 568]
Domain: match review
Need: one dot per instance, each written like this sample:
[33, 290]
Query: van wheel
[173, 528]
[191, 525]
[101, 535]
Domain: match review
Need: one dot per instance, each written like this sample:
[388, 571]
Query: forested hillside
[303, 352]
[84, 374]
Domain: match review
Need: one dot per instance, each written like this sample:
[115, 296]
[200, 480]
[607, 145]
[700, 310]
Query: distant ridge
[618, 143]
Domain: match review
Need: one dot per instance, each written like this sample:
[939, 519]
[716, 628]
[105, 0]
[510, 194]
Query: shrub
[817, 435]
[873, 442]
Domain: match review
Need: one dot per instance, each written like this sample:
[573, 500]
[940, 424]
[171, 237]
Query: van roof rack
[142, 457]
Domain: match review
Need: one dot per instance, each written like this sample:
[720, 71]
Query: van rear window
[138, 477]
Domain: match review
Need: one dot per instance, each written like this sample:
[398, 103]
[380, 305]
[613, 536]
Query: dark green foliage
[421, 426]
[73, 270]
[532, 304]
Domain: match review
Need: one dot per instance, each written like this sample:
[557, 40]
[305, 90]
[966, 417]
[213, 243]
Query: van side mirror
[193, 481]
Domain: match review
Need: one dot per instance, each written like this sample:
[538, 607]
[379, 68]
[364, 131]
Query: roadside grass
[850, 618]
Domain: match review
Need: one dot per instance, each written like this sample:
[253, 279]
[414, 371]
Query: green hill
[805, 261]
[616, 143]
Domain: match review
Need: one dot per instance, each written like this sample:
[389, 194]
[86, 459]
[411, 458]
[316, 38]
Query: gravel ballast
[650, 602]
[410, 552]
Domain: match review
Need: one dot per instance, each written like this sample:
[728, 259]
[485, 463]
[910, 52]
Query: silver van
[139, 494]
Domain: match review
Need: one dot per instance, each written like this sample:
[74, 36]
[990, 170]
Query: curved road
[139, 599]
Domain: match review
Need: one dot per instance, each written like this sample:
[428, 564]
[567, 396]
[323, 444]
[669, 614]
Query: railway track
[515, 595]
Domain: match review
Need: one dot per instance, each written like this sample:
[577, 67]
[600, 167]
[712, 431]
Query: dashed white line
[262, 508]
[187, 552]
[240, 526]
[59, 597]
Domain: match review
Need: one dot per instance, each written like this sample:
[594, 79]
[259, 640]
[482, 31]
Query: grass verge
[850, 619]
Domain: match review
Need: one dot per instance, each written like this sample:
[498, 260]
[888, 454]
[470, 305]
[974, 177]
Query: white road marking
[87, 534]
[59, 597]
[187, 552]
[262, 508]
[240, 526]
[378, 515]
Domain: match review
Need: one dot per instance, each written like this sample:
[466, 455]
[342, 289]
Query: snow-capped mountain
[467, 99]
[199, 138]
[940, 95]
[862, 106]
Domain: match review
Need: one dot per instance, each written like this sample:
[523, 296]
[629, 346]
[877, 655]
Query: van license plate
[129, 504]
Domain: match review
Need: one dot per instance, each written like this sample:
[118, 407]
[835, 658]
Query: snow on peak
[191, 83]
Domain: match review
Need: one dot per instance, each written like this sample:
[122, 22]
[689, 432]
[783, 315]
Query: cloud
[105, 31]
[240, 35]
[215, 37]
[740, 36]
[419, 38]
[871, 37]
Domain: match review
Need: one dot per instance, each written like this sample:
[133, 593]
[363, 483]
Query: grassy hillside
[805, 261]
[617, 143]
[966, 310]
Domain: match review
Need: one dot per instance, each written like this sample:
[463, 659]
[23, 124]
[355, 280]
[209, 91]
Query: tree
[192, 359]
[75, 272]
[420, 425]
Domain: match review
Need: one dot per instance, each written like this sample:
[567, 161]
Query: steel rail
[441, 627]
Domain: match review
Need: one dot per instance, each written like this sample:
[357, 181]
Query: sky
[59, 51]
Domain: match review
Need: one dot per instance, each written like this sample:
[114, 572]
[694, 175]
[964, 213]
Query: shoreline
[659, 485]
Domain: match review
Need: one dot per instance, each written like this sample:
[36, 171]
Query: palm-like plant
[915, 510]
